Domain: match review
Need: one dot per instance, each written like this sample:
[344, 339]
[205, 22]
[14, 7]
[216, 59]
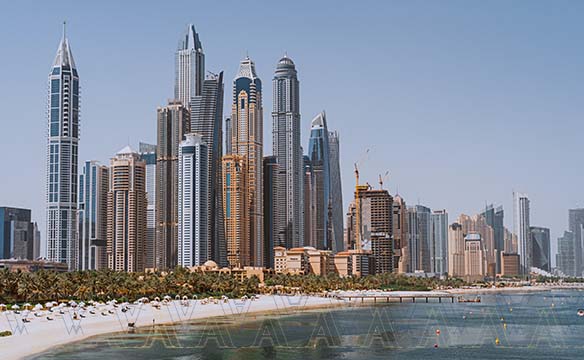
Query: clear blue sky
[463, 101]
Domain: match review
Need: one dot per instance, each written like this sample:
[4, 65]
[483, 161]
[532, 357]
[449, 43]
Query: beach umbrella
[37, 307]
[15, 307]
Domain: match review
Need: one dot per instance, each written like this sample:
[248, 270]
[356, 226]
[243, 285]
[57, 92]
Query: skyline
[142, 115]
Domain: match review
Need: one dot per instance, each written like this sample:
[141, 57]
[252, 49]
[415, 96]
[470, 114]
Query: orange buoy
[437, 331]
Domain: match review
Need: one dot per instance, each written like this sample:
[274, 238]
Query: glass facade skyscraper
[521, 229]
[189, 67]
[62, 150]
[336, 192]
[540, 237]
[148, 155]
[319, 152]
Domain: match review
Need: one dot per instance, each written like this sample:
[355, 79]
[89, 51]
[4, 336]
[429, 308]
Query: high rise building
[126, 212]
[540, 238]
[495, 219]
[375, 209]
[189, 67]
[400, 235]
[474, 258]
[336, 192]
[566, 257]
[271, 171]
[193, 201]
[456, 248]
[319, 152]
[351, 228]
[236, 207]
[521, 229]
[419, 233]
[576, 227]
[62, 150]
[207, 120]
[92, 216]
[247, 145]
[478, 224]
[228, 136]
[173, 123]
[439, 242]
[309, 211]
[36, 252]
[288, 152]
[148, 155]
[16, 234]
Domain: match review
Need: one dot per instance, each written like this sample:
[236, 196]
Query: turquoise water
[533, 326]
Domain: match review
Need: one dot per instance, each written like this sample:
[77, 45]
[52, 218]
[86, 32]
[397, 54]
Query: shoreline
[42, 335]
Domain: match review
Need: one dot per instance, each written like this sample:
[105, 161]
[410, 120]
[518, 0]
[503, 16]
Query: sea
[530, 325]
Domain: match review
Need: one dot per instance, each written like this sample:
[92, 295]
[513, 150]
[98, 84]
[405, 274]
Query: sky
[463, 102]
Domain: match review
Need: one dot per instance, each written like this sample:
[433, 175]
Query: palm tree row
[107, 284]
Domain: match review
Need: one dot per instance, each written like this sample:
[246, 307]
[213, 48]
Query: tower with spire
[189, 67]
[62, 151]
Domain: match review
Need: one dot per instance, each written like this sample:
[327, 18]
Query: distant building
[456, 248]
[271, 209]
[419, 232]
[319, 152]
[173, 122]
[16, 233]
[400, 235]
[521, 226]
[193, 202]
[495, 219]
[92, 216]
[576, 227]
[189, 67]
[566, 257]
[36, 253]
[126, 212]
[439, 242]
[509, 264]
[23, 265]
[148, 155]
[303, 260]
[540, 238]
[474, 258]
[336, 191]
[309, 211]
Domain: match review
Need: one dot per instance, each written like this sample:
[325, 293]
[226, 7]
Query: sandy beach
[41, 334]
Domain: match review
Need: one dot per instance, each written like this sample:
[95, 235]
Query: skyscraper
[207, 120]
[319, 152]
[309, 198]
[474, 258]
[148, 155]
[92, 216]
[540, 238]
[247, 144]
[173, 123]
[566, 257]
[288, 152]
[62, 150]
[189, 67]
[228, 136]
[456, 248]
[336, 192]
[419, 232]
[271, 170]
[400, 234]
[521, 229]
[193, 202]
[439, 242]
[495, 219]
[236, 208]
[375, 209]
[576, 227]
[126, 212]
[16, 233]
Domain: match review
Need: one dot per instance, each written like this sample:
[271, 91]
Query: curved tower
[288, 226]
[319, 152]
[62, 150]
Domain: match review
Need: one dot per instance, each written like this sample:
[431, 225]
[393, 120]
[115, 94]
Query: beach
[41, 334]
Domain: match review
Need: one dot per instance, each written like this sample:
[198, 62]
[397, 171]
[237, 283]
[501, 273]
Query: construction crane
[357, 204]
[382, 179]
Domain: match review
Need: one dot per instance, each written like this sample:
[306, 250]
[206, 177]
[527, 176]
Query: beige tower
[126, 212]
[247, 143]
[236, 210]
[455, 250]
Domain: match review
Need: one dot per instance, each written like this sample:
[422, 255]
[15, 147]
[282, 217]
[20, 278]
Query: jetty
[394, 296]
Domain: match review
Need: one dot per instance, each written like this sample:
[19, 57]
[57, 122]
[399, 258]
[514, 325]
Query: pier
[397, 296]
